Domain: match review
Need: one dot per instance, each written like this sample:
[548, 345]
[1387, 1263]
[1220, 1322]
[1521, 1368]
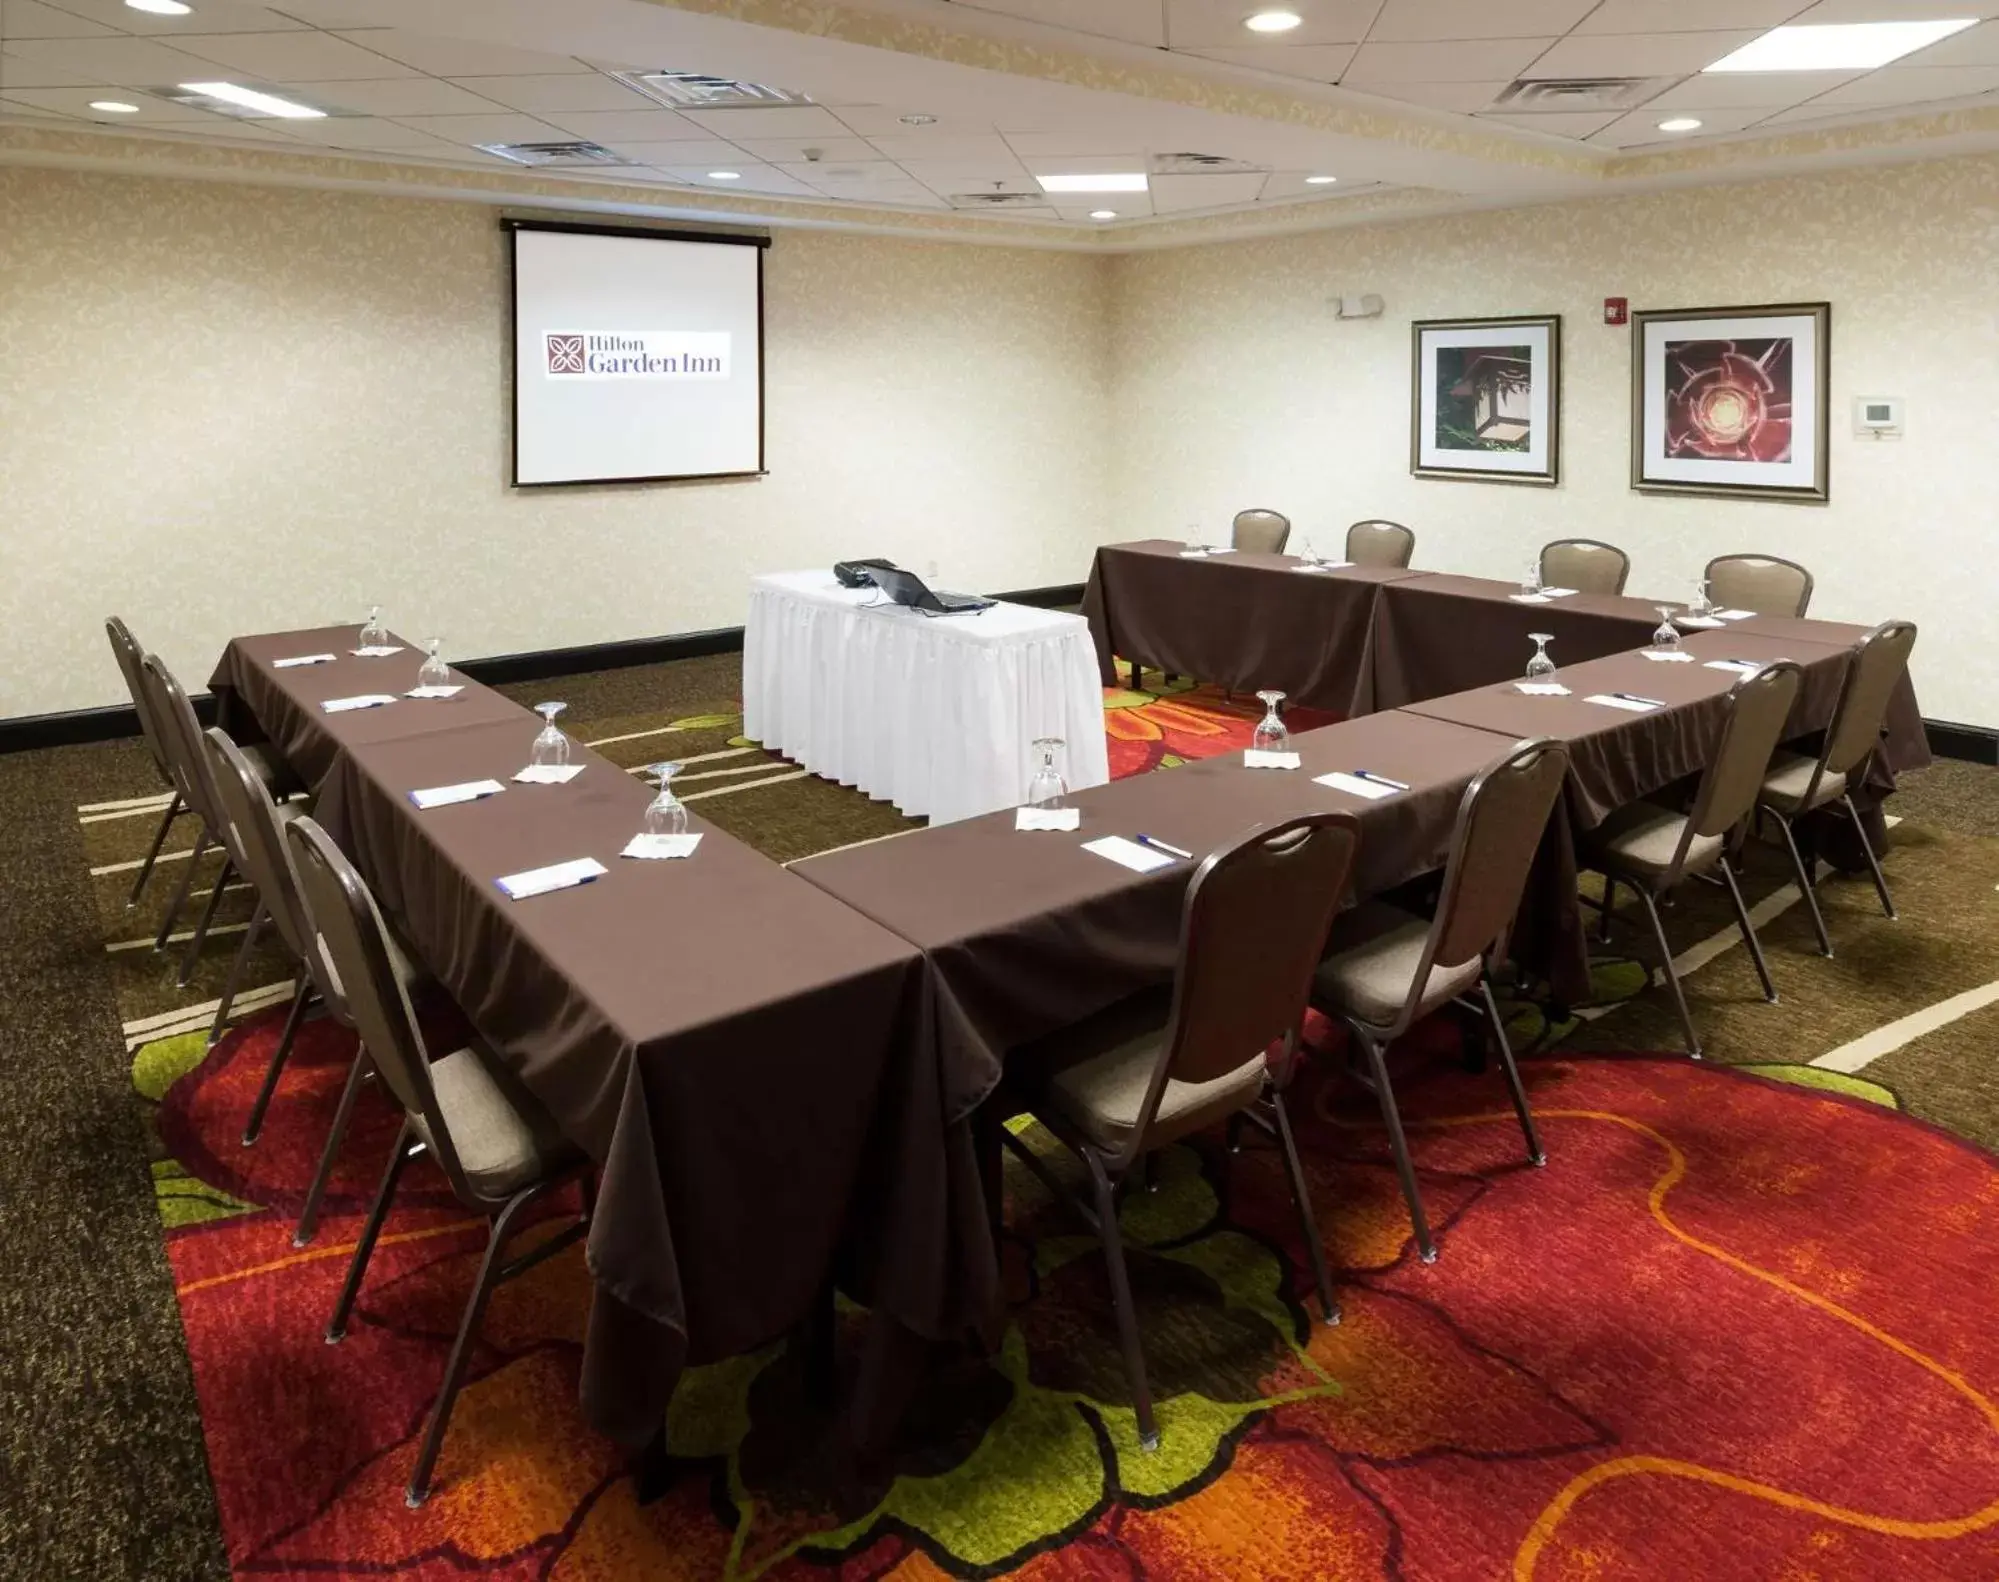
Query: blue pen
[1380, 780]
[1160, 845]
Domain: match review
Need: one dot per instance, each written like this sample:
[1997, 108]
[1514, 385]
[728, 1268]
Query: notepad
[1324, 565]
[376, 651]
[1355, 785]
[1733, 615]
[1047, 818]
[1735, 667]
[468, 791]
[1667, 656]
[302, 659]
[1542, 689]
[434, 692]
[1129, 854]
[1703, 622]
[1558, 593]
[1195, 554]
[658, 848]
[1629, 705]
[556, 876]
[1531, 598]
[548, 774]
[367, 700]
[1253, 759]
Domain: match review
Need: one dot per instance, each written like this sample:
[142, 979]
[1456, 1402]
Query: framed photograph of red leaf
[1732, 402]
[1486, 399]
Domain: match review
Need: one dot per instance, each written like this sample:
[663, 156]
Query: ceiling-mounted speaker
[1367, 307]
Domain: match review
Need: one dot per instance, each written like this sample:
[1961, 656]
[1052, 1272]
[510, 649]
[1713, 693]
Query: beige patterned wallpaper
[228, 408]
[1235, 385]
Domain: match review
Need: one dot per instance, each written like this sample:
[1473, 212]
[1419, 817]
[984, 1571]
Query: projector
[854, 573]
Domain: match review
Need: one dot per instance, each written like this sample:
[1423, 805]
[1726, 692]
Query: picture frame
[1485, 399]
[1733, 403]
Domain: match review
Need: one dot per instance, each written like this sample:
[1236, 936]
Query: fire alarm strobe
[1616, 310]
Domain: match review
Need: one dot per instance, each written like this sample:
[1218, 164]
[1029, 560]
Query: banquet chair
[1377, 543]
[1796, 785]
[1120, 1086]
[1586, 564]
[1654, 849]
[1762, 583]
[1265, 532]
[131, 657]
[1403, 968]
[498, 1149]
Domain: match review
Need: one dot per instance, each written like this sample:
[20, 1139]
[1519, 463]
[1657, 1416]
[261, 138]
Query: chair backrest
[1762, 583]
[1500, 822]
[1376, 543]
[131, 661]
[180, 736]
[1758, 710]
[1586, 564]
[1266, 532]
[1252, 930]
[1872, 674]
[342, 912]
[246, 806]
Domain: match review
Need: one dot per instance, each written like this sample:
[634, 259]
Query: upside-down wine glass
[1272, 734]
[433, 672]
[374, 634]
[1046, 788]
[1667, 638]
[551, 747]
[666, 814]
[1540, 667]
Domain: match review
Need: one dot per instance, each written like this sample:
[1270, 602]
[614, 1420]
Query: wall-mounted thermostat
[1877, 417]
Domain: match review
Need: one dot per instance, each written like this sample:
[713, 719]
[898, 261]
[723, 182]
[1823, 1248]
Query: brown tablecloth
[1240, 620]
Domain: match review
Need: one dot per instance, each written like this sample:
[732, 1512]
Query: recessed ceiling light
[1272, 21]
[1320, 181]
[917, 120]
[1112, 181]
[1841, 46]
[250, 99]
[160, 7]
[725, 175]
[1103, 214]
[114, 107]
[1681, 123]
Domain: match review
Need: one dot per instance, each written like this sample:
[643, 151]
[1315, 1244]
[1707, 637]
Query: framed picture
[1732, 401]
[1486, 399]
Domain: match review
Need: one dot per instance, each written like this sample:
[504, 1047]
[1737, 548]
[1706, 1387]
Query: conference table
[934, 714]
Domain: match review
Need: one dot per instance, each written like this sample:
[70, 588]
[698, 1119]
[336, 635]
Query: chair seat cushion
[505, 1141]
[1790, 778]
[1639, 841]
[1102, 1095]
[1370, 980]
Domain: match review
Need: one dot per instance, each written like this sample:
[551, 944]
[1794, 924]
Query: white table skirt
[935, 714]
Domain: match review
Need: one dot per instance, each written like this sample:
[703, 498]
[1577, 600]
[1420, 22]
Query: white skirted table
[932, 713]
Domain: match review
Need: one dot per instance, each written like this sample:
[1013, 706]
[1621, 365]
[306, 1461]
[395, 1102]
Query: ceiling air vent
[998, 200]
[693, 90]
[1202, 165]
[1581, 93]
[568, 155]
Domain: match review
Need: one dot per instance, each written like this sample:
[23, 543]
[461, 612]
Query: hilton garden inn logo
[636, 354]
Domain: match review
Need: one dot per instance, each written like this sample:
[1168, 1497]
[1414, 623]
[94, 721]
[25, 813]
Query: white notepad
[376, 651]
[548, 774]
[434, 692]
[1542, 689]
[302, 659]
[657, 848]
[1733, 615]
[1531, 598]
[1700, 622]
[1325, 565]
[1667, 656]
[1735, 667]
[1195, 554]
[1047, 818]
[1252, 759]
[367, 700]
[1354, 785]
[556, 876]
[1128, 853]
[468, 791]
[1629, 705]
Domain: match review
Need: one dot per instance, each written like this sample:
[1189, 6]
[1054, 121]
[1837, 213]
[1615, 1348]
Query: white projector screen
[638, 355]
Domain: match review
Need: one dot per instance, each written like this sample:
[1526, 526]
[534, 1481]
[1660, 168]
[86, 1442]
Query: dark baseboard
[75, 727]
[1978, 744]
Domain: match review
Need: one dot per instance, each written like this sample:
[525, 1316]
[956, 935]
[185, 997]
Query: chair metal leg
[174, 810]
[1672, 972]
[193, 951]
[364, 1249]
[1609, 906]
[279, 1056]
[1535, 1153]
[1748, 931]
[308, 1220]
[1426, 1247]
[1134, 675]
[222, 1006]
[1306, 1223]
[1805, 886]
[181, 890]
[1121, 1303]
[1873, 861]
[461, 1350]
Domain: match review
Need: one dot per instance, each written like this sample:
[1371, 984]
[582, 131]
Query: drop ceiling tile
[1083, 164]
[1417, 21]
[1641, 128]
[881, 120]
[1066, 145]
[470, 129]
[808, 150]
[1832, 11]
[556, 92]
[1688, 16]
[896, 189]
[399, 96]
[1975, 46]
[1289, 185]
[1558, 123]
[1134, 21]
[1894, 85]
[1178, 194]
[152, 111]
[1638, 54]
[1125, 206]
[454, 57]
[1460, 97]
[1457, 61]
[1747, 90]
[309, 56]
[609, 126]
[32, 19]
[209, 16]
[712, 153]
[989, 146]
[134, 61]
[962, 175]
[1211, 24]
[802, 121]
[371, 134]
[752, 177]
[1312, 62]
[10, 111]
[17, 71]
[847, 172]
